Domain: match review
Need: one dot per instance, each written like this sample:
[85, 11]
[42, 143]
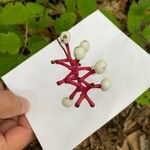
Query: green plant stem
[25, 39]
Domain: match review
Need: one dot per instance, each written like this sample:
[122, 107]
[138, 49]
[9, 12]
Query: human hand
[15, 131]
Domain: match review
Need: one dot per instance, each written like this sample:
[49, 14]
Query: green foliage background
[26, 27]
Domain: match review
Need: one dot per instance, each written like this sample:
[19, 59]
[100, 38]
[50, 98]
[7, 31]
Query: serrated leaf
[111, 17]
[12, 28]
[65, 22]
[146, 33]
[138, 15]
[8, 62]
[10, 43]
[13, 14]
[35, 43]
[70, 4]
[144, 99]
[34, 10]
[86, 7]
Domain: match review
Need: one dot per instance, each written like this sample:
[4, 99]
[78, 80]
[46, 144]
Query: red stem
[86, 83]
[60, 82]
[89, 100]
[74, 83]
[63, 64]
[88, 74]
[68, 51]
[77, 104]
[65, 79]
[74, 93]
[73, 77]
[84, 68]
[95, 85]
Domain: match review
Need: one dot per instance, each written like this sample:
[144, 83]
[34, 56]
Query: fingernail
[25, 105]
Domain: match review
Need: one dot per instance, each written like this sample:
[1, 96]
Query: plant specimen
[74, 66]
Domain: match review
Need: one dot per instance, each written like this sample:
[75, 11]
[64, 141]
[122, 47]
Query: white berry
[100, 67]
[85, 45]
[65, 37]
[79, 53]
[105, 84]
[67, 102]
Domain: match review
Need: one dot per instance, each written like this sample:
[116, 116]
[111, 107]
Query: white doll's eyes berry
[65, 37]
[85, 45]
[100, 67]
[79, 53]
[75, 77]
[67, 102]
[105, 84]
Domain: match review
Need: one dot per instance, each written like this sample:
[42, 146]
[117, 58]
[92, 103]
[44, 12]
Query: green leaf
[40, 1]
[138, 15]
[10, 43]
[40, 23]
[146, 33]
[137, 39]
[44, 21]
[4, 1]
[9, 28]
[65, 22]
[86, 7]
[37, 17]
[144, 99]
[13, 14]
[35, 43]
[12, 28]
[70, 4]
[34, 10]
[111, 17]
[8, 62]
[134, 18]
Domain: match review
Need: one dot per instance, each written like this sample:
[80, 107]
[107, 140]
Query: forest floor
[130, 130]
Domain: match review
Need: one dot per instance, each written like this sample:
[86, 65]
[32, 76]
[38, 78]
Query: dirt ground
[130, 130]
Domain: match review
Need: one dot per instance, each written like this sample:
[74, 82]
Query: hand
[15, 131]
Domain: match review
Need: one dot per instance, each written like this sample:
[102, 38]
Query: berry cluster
[74, 66]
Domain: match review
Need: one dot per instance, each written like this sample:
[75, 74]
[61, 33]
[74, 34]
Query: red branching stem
[59, 60]
[89, 100]
[60, 82]
[86, 83]
[84, 68]
[63, 64]
[88, 74]
[73, 78]
[74, 83]
[69, 76]
[74, 93]
[95, 85]
[77, 104]
[68, 51]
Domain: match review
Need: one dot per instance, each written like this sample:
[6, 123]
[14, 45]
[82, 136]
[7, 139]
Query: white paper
[60, 128]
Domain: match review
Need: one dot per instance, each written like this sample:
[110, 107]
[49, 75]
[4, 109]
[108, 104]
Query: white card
[61, 128]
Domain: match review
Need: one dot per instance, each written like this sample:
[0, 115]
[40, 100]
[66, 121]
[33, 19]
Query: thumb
[12, 105]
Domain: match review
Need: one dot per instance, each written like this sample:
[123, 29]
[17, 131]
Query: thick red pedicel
[73, 78]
